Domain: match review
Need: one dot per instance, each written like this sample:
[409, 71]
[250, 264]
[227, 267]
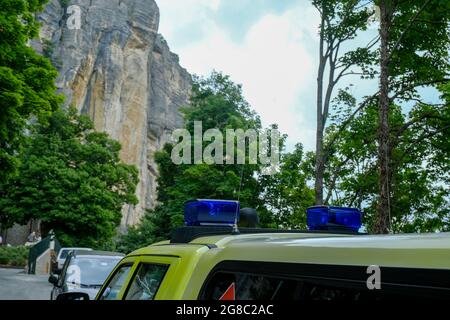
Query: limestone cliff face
[117, 69]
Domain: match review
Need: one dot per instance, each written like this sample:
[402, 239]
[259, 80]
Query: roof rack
[187, 234]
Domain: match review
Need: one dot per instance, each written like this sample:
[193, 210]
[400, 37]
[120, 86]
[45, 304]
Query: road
[16, 285]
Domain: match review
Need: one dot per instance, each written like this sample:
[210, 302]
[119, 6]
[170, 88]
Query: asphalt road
[16, 285]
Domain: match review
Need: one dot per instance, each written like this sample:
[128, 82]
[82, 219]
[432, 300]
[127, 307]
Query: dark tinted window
[281, 281]
[319, 292]
[253, 287]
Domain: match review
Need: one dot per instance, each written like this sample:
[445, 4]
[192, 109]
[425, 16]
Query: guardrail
[39, 248]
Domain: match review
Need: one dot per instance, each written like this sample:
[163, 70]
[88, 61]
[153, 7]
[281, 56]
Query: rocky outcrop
[117, 69]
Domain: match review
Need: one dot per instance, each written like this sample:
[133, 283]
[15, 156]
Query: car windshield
[90, 271]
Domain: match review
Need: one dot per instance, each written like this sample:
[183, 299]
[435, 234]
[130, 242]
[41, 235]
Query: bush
[14, 256]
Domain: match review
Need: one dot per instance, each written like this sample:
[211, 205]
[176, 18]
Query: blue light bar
[326, 218]
[211, 212]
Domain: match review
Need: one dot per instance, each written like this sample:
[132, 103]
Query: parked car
[63, 252]
[84, 271]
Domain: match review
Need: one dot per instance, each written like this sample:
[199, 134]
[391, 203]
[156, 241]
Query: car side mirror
[71, 296]
[53, 279]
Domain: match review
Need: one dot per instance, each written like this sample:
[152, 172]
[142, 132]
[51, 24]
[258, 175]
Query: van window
[308, 282]
[253, 287]
[263, 287]
[319, 292]
[146, 282]
[115, 284]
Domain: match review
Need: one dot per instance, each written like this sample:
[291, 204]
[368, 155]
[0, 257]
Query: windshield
[65, 252]
[90, 271]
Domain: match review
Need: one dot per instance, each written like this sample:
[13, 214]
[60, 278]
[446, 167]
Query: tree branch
[352, 73]
[363, 5]
[364, 176]
[342, 72]
[414, 121]
[373, 42]
[331, 84]
[428, 104]
[327, 149]
[415, 85]
[414, 142]
[333, 181]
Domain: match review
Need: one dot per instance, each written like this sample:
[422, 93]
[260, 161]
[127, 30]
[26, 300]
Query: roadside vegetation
[13, 256]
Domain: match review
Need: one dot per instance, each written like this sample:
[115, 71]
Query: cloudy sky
[268, 46]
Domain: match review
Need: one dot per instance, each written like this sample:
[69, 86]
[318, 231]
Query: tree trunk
[320, 163]
[382, 219]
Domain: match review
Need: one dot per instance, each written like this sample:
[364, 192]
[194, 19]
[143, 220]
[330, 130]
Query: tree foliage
[27, 79]
[218, 103]
[393, 142]
[414, 54]
[286, 193]
[71, 178]
[420, 153]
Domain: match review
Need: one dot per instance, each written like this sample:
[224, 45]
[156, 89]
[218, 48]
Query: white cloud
[275, 63]
[175, 14]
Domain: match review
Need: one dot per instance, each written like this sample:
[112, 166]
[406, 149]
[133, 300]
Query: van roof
[402, 250]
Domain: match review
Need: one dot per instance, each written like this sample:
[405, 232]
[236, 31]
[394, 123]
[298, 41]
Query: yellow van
[330, 261]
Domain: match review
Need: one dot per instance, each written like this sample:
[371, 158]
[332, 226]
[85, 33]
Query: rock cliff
[117, 69]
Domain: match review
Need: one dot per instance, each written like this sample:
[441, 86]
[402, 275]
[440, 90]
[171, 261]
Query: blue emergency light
[328, 217]
[211, 212]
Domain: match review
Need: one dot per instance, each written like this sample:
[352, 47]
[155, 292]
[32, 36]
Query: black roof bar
[187, 234]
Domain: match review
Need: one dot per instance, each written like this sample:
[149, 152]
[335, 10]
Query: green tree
[419, 178]
[279, 199]
[218, 103]
[27, 88]
[340, 23]
[413, 54]
[286, 193]
[71, 178]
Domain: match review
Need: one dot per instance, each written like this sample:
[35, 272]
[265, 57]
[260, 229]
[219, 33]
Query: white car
[63, 252]
[84, 271]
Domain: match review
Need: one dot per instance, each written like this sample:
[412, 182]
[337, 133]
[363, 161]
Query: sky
[268, 46]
